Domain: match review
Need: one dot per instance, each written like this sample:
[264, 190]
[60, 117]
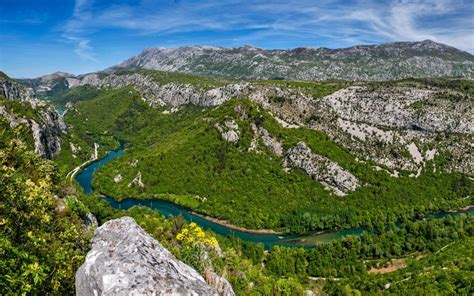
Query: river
[166, 208]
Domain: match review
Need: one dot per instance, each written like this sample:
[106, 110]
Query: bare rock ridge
[125, 260]
[46, 126]
[174, 94]
[364, 62]
[13, 91]
[320, 168]
[375, 123]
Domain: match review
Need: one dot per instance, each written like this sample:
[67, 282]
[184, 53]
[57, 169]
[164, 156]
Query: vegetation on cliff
[42, 243]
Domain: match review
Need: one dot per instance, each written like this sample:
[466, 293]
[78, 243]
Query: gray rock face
[365, 62]
[402, 107]
[12, 119]
[222, 285]
[331, 175]
[91, 221]
[125, 260]
[12, 91]
[47, 133]
[379, 123]
[174, 94]
[47, 125]
[229, 131]
[270, 142]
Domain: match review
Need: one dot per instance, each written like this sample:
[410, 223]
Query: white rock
[125, 260]
[322, 169]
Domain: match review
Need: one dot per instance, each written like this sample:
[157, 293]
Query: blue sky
[43, 36]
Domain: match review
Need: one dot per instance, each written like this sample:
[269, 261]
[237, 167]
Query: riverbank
[467, 208]
[235, 227]
[267, 237]
[94, 157]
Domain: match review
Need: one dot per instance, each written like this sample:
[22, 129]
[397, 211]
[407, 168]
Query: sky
[39, 37]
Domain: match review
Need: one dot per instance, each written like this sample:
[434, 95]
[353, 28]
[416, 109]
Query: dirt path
[394, 265]
[94, 157]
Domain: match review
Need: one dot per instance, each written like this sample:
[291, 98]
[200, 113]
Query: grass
[314, 89]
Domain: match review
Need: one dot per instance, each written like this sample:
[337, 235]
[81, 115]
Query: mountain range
[364, 62]
[388, 61]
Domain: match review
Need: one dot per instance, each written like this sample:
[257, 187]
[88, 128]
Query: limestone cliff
[320, 168]
[45, 123]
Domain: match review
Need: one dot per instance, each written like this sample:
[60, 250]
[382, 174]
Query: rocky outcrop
[47, 133]
[156, 93]
[381, 123]
[46, 124]
[125, 260]
[272, 143]
[12, 119]
[320, 168]
[229, 131]
[222, 285]
[13, 91]
[402, 107]
[136, 181]
[90, 221]
[118, 178]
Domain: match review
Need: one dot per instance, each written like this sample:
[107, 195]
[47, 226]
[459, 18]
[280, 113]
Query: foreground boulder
[125, 260]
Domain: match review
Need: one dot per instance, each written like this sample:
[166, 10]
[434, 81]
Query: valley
[266, 237]
[281, 182]
[174, 154]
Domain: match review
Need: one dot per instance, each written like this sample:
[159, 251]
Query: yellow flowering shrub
[196, 246]
[40, 248]
[193, 234]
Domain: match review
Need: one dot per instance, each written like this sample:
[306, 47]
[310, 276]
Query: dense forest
[438, 249]
[181, 154]
[182, 158]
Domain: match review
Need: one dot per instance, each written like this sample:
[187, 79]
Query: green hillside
[182, 157]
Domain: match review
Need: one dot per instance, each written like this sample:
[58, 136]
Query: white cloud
[328, 22]
[76, 30]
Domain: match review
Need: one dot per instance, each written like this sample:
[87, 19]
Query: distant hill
[364, 62]
[48, 85]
